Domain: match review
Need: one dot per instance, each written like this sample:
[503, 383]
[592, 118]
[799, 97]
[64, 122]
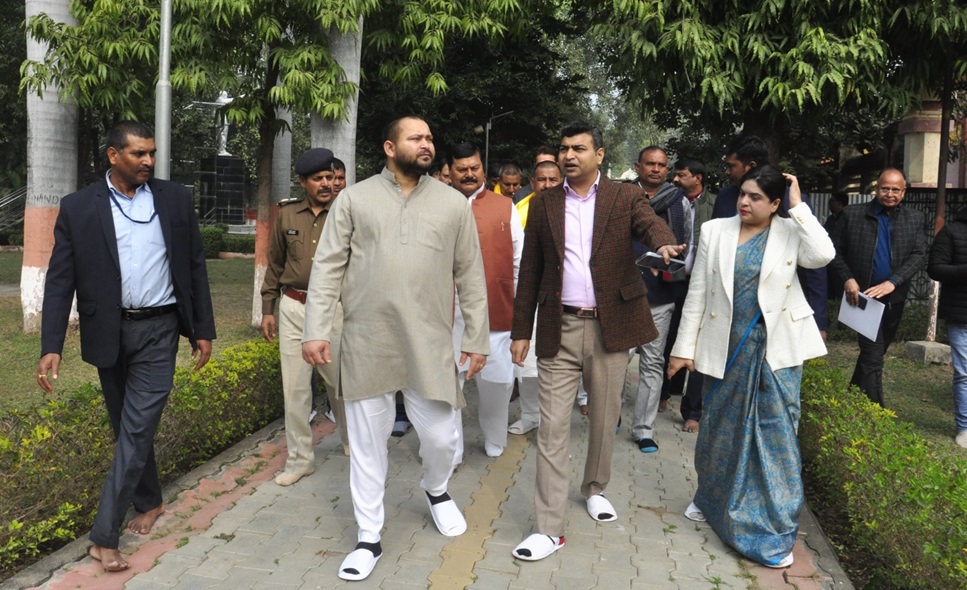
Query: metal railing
[12, 207]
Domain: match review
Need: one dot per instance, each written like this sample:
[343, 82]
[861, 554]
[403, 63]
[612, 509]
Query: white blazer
[792, 334]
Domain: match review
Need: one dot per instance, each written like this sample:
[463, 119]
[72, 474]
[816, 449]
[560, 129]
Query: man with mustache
[501, 241]
[292, 245]
[880, 245]
[338, 176]
[394, 249]
[509, 182]
[128, 246]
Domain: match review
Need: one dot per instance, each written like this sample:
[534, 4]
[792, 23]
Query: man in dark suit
[579, 266]
[130, 249]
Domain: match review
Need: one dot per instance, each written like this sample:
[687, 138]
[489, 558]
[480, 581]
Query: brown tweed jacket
[621, 212]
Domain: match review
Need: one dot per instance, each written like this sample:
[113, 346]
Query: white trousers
[370, 423]
[493, 411]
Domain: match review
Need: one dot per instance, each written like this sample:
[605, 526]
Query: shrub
[211, 240]
[241, 244]
[905, 501]
[53, 458]
[16, 239]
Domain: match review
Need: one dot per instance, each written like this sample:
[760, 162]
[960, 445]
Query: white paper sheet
[865, 321]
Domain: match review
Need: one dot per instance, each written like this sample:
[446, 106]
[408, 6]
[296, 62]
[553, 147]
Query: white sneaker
[961, 438]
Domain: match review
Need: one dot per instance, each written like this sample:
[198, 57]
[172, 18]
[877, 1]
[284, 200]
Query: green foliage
[905, 500]
[231, 397]
[238, 243]
[817, 80]
[16, 239]
[522, 73]
[13, 108]
[768, 56]
[53, 458]
[212, 240]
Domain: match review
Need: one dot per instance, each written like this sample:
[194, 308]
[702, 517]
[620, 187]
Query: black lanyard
[121, 209]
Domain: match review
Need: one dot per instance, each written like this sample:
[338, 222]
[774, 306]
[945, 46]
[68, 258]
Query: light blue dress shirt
[145, 275]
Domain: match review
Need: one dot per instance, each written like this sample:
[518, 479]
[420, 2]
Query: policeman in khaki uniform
[292, 245]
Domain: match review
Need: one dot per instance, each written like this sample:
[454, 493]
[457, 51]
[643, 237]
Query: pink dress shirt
[577, 288]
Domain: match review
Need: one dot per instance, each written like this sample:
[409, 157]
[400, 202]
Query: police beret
[314, 160]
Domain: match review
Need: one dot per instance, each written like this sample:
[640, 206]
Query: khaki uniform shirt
[292, 245]
[394, 263]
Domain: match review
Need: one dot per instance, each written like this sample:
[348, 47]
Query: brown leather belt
[143, 313]
[581, 312]
[296, 294]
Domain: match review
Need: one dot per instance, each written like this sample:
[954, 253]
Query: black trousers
[135, 392]
[868, 374]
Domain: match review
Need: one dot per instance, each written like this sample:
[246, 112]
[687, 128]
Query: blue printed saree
[747, 454]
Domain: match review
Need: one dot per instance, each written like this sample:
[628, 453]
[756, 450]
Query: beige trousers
[582, 354]
[297, 384]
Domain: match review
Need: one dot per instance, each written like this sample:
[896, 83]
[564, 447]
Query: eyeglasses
[889, 190]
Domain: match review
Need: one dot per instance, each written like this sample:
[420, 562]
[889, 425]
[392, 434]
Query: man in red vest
[501, 243]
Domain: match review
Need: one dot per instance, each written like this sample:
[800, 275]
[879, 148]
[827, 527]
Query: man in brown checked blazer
[578, 270]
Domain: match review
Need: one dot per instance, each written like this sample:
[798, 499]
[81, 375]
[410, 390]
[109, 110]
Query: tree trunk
[340, 136]
[946, 113]
[51, 171]
[281, 189]
[268, 127]
[758, 123]
[263, 223]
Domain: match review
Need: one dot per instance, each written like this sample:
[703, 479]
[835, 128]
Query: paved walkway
[229, 526]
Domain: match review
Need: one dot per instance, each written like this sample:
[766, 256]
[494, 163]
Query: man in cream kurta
[393, 249]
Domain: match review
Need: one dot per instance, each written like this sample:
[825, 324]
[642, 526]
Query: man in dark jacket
[129, 248]
[880, 245]
[948, 264]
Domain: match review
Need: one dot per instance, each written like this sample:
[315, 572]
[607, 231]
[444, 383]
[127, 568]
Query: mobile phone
[656, 261]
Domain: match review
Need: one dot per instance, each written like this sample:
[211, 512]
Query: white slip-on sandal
[537, 547]
[358, 565]
[601, 509]
[693, 513]
[447, 517]
[783, 563]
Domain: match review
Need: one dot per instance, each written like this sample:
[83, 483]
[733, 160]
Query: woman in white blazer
[746, 324]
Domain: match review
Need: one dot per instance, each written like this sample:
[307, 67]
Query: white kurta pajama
[394, 263]
[495, 382]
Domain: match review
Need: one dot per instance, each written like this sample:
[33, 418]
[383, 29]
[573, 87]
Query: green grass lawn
[10, 262]
[918, 393]
[231, 286]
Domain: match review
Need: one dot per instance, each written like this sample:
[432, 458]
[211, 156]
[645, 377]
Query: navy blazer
[85, 261]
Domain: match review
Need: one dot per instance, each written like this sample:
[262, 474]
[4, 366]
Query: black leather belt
[143, 313]
[581, 312]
